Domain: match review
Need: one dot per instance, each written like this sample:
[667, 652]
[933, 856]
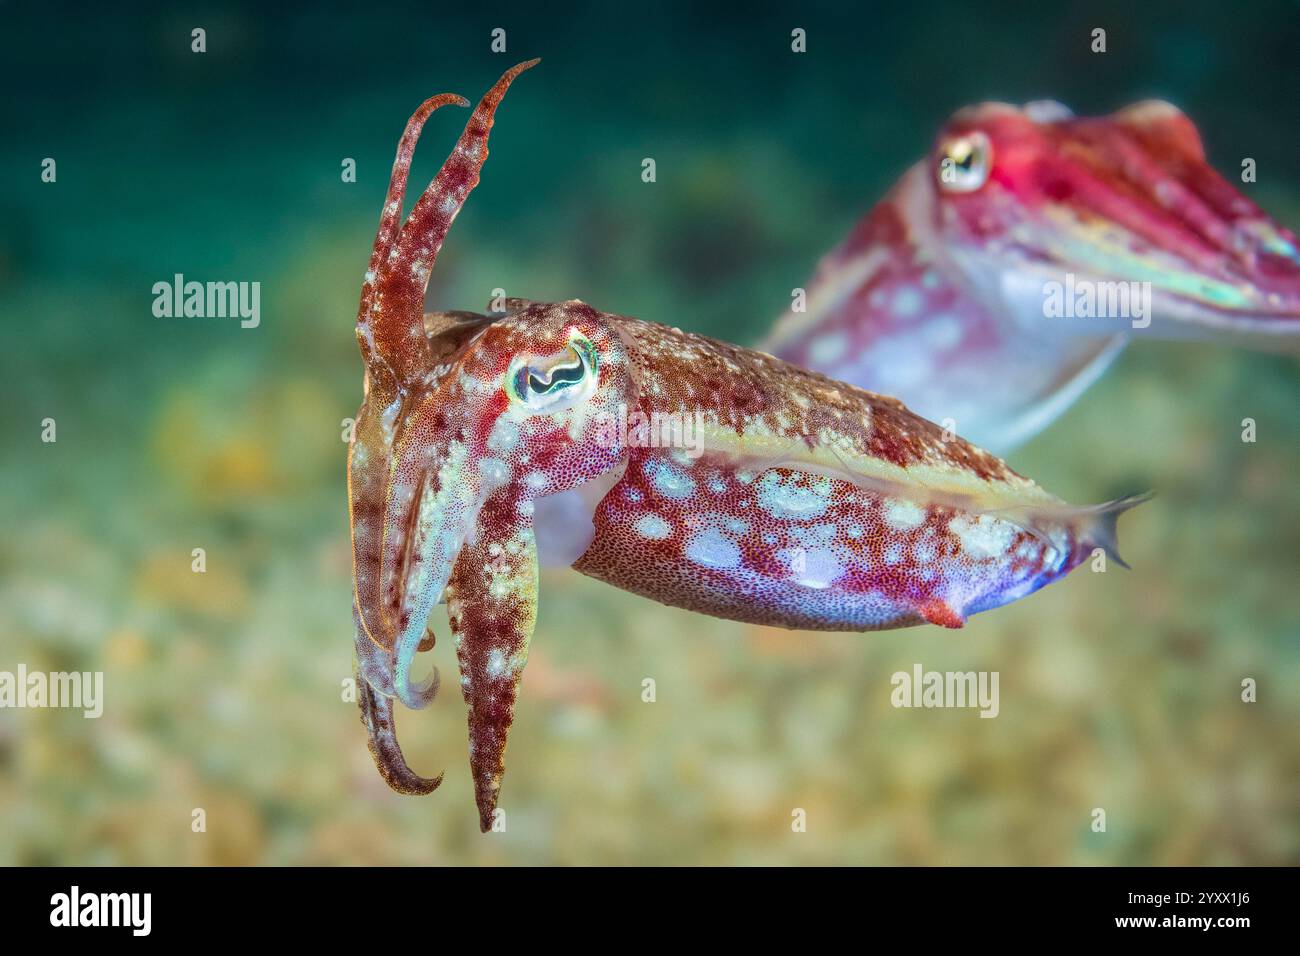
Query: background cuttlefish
[484, 440]
[942, 295]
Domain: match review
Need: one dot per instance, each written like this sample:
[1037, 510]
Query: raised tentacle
[390, 217]
[402, 276]
[421, 237]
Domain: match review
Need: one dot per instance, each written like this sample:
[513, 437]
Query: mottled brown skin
[741, 388]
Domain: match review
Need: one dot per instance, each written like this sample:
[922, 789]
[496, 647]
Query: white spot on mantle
[903, 515]
[713, 549]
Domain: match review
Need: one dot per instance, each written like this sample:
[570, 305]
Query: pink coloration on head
[1129, 196]
[951, 294]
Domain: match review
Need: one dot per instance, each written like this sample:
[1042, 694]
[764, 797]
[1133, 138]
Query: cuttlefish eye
[552, 382]
[964, 162]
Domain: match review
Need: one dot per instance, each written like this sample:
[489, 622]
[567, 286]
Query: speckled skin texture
[937, 295]
[800, 501]
[792, 548]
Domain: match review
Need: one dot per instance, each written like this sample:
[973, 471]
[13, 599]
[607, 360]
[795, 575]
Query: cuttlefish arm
[492, 606]
[403, 361]
[944, 294]
[512, 424]
[375, 698]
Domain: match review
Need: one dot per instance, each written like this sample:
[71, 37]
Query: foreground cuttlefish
[951, 293]
[781, 497]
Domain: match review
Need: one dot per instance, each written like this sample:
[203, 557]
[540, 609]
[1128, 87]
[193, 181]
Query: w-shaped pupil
[559, 377]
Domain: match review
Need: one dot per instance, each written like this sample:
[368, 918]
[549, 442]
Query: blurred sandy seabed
[224, 689]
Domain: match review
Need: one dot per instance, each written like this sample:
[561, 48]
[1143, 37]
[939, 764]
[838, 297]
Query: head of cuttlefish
[1035, 193]
[1006, 270]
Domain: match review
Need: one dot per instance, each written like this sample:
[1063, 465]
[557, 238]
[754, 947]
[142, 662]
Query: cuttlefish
[1005, 271]
[699, 474]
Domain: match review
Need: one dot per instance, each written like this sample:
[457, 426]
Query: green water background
[1118, 691]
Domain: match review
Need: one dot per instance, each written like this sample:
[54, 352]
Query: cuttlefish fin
[1093, 526]
[492, 604]
[1098, 525]
[1079, 362]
